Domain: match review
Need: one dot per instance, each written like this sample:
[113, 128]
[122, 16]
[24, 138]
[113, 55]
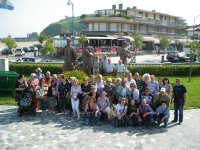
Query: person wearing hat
[69, 56]
[39, 74]
[160, 97]
[125, 53]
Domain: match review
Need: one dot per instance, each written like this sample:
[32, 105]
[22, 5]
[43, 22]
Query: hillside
[61, 27]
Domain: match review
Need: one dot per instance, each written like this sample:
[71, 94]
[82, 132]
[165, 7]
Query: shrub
[75, 73]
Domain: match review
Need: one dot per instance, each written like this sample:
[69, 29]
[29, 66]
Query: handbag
[108, 109]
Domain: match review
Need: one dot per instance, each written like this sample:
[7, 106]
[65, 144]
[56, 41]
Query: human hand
[120, 117]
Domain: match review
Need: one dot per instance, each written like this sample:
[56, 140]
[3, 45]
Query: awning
[183, 40]
[148, 38]
[157, 41]
[131, 39]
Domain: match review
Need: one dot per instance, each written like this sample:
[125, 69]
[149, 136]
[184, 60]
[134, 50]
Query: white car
[19, 52]
[29, 59]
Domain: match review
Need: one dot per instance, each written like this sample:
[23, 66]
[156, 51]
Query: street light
[70, 3]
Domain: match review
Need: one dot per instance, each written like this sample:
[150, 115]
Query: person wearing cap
[88, 55]
[162, 114]
[125, 53]
[179, 99]
[69, 56]
[39, 74]
[160, 97]
[153, 85]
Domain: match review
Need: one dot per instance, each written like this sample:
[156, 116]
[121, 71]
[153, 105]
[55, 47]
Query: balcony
[107, 19]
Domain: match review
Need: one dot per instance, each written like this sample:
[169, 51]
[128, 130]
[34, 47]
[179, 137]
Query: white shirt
[75, 91]
[120, 68]
[128, 82]
[120, 109]
[109, 67]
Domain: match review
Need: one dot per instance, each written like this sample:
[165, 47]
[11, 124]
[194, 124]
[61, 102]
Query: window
[165, 17]
[154, 16]
[161, 17]
[141, 13]
[146, 15]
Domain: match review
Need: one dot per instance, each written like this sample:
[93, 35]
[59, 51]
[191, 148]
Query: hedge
[164, 70]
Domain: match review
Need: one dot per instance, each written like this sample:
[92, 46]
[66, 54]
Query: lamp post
[66, 17]
[70, 3]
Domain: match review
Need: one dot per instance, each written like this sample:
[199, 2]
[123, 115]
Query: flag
[5, 4]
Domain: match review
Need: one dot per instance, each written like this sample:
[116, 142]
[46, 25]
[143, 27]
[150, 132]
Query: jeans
[75, 107]
[42, 104]
[178, 107]
[89, 119]
[159, 117]
[123, 121]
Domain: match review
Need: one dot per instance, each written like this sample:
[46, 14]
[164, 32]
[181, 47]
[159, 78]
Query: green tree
[182, 24]
[48, 47]
[41, 38]
[164, 42]
[83, 16]
[9, 42]
[195, 49]
[82, 39]
[138, 43]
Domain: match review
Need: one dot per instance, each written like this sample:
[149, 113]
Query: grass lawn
[193, 98]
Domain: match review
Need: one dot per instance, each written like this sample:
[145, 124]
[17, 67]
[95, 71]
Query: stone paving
[63, 132]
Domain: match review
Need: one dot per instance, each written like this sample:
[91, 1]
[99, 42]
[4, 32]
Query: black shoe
[173, 121]
[179, 123]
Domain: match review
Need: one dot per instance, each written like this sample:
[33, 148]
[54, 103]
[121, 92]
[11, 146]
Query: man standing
[109, 68]
[69, 56]
[179, 99]
[125, 53]
[88, 55]
[120, 69]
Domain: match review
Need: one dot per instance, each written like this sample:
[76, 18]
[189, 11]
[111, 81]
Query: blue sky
[34, 15]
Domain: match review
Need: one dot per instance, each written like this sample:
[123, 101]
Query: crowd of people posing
[129, 101]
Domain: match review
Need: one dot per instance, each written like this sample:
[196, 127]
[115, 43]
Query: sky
[34, 15]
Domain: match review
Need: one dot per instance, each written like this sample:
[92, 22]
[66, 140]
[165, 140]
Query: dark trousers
[123, 121]
[159, 118]
[178, 108]
[103, 116]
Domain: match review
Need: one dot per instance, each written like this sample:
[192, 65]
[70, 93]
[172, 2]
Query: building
[194, 31]
[131, 20]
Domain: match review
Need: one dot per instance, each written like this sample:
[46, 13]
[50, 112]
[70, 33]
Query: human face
[137, 76]
[143, 102]
[132, 102]
[103, 94]
[178, 82]
[147, 92]
[123, 102]
[133, 86]
[164, 105]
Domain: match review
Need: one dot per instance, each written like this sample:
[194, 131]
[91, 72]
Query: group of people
[92, 63]
[133, 100]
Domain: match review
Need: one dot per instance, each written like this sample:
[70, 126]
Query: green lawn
[193, 98]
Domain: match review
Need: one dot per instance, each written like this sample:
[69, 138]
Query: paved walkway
[63, 132]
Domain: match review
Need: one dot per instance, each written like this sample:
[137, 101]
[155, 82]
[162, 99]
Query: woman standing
[85, 88]
[100, 84]
[75, 90]
[20, 84]
[33, 84]
[146, 79]
[167, 86]
[133, 112]
[109, 88]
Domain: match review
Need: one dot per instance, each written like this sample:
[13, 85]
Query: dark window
[154, 16]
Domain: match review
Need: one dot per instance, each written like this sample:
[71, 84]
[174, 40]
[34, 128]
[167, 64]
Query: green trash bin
[7, 80]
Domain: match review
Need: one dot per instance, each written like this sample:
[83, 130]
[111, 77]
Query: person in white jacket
[75, 90]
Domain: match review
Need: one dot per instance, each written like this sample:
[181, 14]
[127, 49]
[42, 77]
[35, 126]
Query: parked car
[29, 59]
[33, 48]
[26, 49]
[19, 52]
[39, 46]
[177, 57]
[6, 51]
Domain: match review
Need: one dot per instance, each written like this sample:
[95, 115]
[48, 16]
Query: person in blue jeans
[162, 114]
[179, 99]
